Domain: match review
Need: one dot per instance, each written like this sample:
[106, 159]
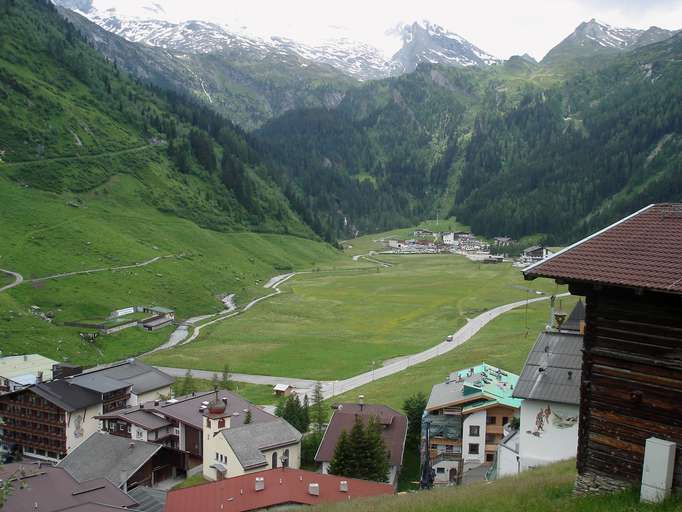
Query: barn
[630, 274]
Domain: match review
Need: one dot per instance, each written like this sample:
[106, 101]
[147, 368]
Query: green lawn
[43, 235]
[548, 489]
[197, 479]
[258, 394]
[505, 342]
[332, 325]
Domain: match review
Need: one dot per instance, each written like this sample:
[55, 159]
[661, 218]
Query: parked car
[449, 338]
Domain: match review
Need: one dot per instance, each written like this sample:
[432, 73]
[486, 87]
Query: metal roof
[107, 456]
[474, 384]
[142, 377]
[99, 383]
[640, 251]
[66, 395]
[553, 369]
[148, 499]
[248, 441]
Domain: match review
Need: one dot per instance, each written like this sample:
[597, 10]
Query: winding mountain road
[18, 279]
[334, 388]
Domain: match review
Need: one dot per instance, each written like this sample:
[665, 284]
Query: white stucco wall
[138, 433]
[477, 418]
[558, 438]
[149, 396]
[508, 457]
[80, 425]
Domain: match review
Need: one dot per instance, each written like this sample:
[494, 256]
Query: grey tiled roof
[553, 369]
[99, 383]
[148, 499]
[106, 456]
[248, 441]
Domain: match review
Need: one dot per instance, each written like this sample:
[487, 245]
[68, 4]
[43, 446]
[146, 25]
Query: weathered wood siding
[632, 381]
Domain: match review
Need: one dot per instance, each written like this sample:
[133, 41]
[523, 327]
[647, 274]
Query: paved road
[18, 279]
[334, 388]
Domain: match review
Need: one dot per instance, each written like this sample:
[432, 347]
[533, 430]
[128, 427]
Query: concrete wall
[556, 440]
[479, 419]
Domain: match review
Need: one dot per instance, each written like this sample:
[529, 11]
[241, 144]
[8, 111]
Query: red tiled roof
[282, 486]
[643, 250]
[394, 432]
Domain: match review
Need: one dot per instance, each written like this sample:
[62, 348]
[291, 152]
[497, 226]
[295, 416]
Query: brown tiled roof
[393, 433]
[643, 250]
[281, 487]
[47, 488]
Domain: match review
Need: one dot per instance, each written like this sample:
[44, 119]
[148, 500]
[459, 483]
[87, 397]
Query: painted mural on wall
[546, 416]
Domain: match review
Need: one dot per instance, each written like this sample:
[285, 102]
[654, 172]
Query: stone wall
[593, 483]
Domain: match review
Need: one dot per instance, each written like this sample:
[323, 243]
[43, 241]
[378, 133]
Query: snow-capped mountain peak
[424, 41]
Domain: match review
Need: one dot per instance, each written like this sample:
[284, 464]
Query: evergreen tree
[318, 412]
[226, 378]
[414, 409]
[341, 461]
[305, 414]
[377, 463]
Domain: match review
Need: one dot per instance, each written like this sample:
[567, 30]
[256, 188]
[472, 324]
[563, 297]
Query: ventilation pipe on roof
[260, 483]
[314, 489]
[39, 377]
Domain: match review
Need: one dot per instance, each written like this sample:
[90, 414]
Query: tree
[318, 412]
[361, 453]
[414, 409]
[341, 461]
[305, 414]
[187, 385]
[226, 378]
[376, 466]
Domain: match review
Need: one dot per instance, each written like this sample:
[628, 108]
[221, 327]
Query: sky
[500, 27]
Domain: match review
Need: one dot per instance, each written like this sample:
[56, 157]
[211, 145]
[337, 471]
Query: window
[474, 430]
[434, 446]
[491, 420]
[505, 420]
[121, 427]
[217, 456]
[274, 460]
[490, 438]
[473, 448]
[440, 470]
[285, 459]
[489, 457]
[448, 448]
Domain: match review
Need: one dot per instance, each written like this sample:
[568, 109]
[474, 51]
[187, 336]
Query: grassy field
[541, 490]
[258, 394]
[42, 234]
[504, 342]
[332, 325]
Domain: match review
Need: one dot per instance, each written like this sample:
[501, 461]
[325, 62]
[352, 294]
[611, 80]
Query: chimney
[131, 445]
[156, 403]
[343, 486]
[314, 489]
[141, 406]
[260, 483]
[39, 377]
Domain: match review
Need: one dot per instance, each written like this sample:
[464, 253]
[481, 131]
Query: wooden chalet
[630, 274]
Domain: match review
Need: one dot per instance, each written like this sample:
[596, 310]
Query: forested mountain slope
[70, 121]
[513, 149]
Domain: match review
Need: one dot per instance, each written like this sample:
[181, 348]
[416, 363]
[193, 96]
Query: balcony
[442, 457]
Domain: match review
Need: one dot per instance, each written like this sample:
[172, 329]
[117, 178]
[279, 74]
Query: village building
[418, 233]
[44, 488]
[283, 389]
[536, 253]
[449, 238]
[126, 463]
[234, 450]
[630, 274]
[17, 372]
[502, 241]
[178, 422]
[550, 388]
[50, 419]
[273, 489]
[464, 420]
[393, 432]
